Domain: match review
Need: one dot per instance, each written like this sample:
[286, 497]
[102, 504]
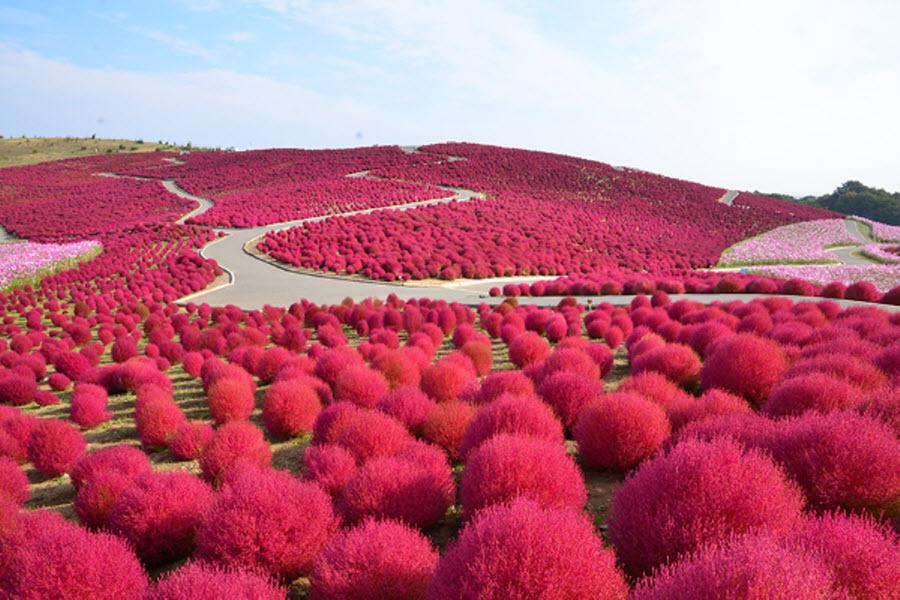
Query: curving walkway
[728, 197]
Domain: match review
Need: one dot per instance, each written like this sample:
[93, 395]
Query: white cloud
[239, 37]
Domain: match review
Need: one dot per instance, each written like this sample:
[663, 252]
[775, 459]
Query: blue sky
[794, 95]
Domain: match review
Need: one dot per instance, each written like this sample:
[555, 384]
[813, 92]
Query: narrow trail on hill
[728, 197]
[255, 281]
[848, 255]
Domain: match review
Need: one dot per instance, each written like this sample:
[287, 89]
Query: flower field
[804, 242]
[153, 447]
[21, 261]
[882, 231]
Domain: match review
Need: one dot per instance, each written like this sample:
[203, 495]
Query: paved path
[728, 197]
[848, 255]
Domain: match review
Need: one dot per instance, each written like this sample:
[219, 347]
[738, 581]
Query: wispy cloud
[175, 43]
[239, 37]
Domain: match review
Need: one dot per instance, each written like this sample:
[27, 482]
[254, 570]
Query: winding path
[728, 197]
[255, 281]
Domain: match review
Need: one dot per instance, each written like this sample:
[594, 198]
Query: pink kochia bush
[699, 493]
[744, 364]
[620, 430]
[377, 559]
[508, 466]
[676, 361]
[44, 556]
[87, 407]
[13, 481]
[409, 405]
[816, 391]
[568, 393]
[203, 581]
[329, 465]
[414, 486]
[230, 398]
[233, 442]
[127, 460]
[290, 408]
[520, 550]
[267, 520]
[751, 567]
[512, 414]
[54, 446]
[360, 385]
[842, 459]
[446, 426]
[159, 513]
[189, 440]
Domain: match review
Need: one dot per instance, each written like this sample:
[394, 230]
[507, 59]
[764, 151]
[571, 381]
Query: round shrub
[335, 360]
[446, 426]
[54, 446]
[369, 434]
[204, 581]
[747, 429]
[499, 383]
[677, 362]
[842, 459]
[400, 487]
[619, 431]
[360, 385]
[156, 416]
[127, 460]
[13, 481]
[409, 405]
[852, 369]
[267, 520]
[377, 559]
[331, 421]
[329, 465]
[746, 365]
[230, 399]
[398, 368]
[17, 390]
[751, 567]
[699, 493]
[231, 443]
[290, 408]
[57, 559]
[528, 348]
[712, 403]
[444, 380]
[189, 440]
[159, 513]
[507, 466]
[95, 500]
[87, 406]
[816, 391]
[570, 360]
[657, 388]
[512, 414]
[59, 382]
[568, 393]
[521, 550]
[862, 553]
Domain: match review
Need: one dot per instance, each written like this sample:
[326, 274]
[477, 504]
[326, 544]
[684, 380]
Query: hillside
[18, 151]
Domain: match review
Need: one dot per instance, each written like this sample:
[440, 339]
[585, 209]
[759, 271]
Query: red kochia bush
[87, 406]
[267, 520]
[13, 481]
[568, 393]
[415, 487]
[712, 403]
[49, 557]
[699, 493]
[360, 385]
[512, 414]
[369, 434]
[230, 399]
[331, 422]
[329, 465]
[446, 426]
[409, 405]
[233, 442]
[656, 388]
[504, 382]
[54, 446]
[751, 567]
[127, 460]
[528, 348]
[744, 364]
[17, 390]
[444, 380]
[521, 550]
[618, 431]
[817, 391]
[507, 466]
[189, 440]
[571, 360]
[676, 361]
[204, 581]
[841, 459]
[96, 499]
[156, 416]
[290, 408]
[854, 370]
[378, 559]
[158, 514]
[862, 553]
